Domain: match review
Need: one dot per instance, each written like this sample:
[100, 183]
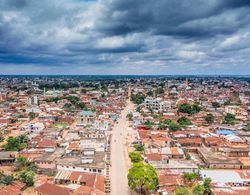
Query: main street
[119, 155]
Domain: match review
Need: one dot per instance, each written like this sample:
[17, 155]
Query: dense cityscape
[124, 97]
[124, 135]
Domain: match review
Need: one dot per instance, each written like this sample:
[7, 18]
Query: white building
[157, 104]
[33, 100]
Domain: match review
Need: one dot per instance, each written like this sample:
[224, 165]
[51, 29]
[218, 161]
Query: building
[86, 117]
[33, 100]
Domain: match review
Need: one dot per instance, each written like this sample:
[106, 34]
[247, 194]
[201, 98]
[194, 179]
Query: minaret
[44, 92]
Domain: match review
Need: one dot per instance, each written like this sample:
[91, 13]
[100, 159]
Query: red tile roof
[52, 189]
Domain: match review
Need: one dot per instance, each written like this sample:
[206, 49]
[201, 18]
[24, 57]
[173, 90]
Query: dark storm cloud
[16, 3]
[184, 18]
[125, 36]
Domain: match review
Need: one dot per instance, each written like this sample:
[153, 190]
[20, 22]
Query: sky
[165, 37]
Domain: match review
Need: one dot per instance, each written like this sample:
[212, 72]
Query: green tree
[189, 109]
[16, 143]
[67, 106]
[80, 105]
[162, 126]
[27, 177]
[7, 179]
[185, 108]
[216, 105]
[184, 121]
[142, 177]
[138, 98]
[190, 176]
[188, 157]
[139, 147]
[229, 119]
[182, 191]
[22, 138]
[148, 124]
[199, 189]
[173, 126]
[23, 164]
[32, 115]
[196, 108]
[130, 116]
[209, 118]
[206, 184]
[135, 157]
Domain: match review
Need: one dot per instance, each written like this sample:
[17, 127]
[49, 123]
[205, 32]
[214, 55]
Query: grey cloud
[141, 36]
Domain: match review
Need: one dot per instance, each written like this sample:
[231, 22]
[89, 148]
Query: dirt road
[119, 156]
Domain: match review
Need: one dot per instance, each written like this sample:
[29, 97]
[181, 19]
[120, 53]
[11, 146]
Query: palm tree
[7, 179]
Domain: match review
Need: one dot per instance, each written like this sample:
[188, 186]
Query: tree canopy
[184, 121]
[138, 98]
[229, 119]
[189, 109]
[209, 118]
[139, 147]
[135, 157]
[142, 177]
[16, 143]
[216, 105]
[173, 126]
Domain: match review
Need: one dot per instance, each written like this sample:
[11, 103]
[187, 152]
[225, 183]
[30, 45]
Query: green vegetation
[130, 116]
[188, 177]
[162, 126]
[173, 126]
[206, 184]
[59, 85]
[209, 118]
[23, 164]
[142, 177]
[183, 121]
[188, 157]
[32, 115]
[139, 147]
[182, 191]
[16, 143]
[229, 119]
[138, 98]
[27, 176]
[194, 187]
[148, 124]
[198, 189]
[159, 90]
[135, 157]
[227, 103]
[75, 102]
[6, 179]
[216, 105]
[53, 99]
[189, 109]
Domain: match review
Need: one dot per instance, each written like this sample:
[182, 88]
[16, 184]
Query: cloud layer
[124, 37]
